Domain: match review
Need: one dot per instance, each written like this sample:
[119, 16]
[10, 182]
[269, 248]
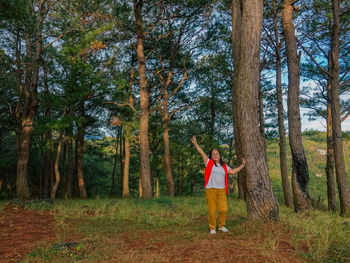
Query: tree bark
[331, 194]
[31, 103]
[80, 155]
[147, 190]
[121, 157]
[260, 200]
[300, 173]
[70, 168]
[127, 133]
[236, 31]
[126, 192]
[341, 176]
[288, 199]
[115, 163]
[57, 172]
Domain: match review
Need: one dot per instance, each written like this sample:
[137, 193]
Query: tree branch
[314, 60]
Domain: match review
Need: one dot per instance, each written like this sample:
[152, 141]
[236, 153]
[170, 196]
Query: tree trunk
[288, 199]
[299, 162]
[57, 172]
[331, 194]
[260, 200]
[127, 133]
[70, 168]
[121, 158]
[341, 175]
[144, 105]
[126, 192]
[79, 157]
[140, 188]
[115, 164]
[236, 31]
[157, 187]
[30, 108]
[167, 161]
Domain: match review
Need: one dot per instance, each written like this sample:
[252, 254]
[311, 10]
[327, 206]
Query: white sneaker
[212, 232]
[223, 229]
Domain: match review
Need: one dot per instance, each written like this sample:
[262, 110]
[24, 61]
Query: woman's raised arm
[199, 149]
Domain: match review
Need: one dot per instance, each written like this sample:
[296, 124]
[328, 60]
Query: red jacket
[207, 173]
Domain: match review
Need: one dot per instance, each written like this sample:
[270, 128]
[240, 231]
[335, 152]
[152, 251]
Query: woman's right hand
[194, 140]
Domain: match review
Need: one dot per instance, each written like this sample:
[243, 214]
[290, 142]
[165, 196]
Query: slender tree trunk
[115, 163]
[169, 174]
[79, 157]
[341, 176]
[127, 133]
[288, 199]
[260, 200]
[70, 168]
[299, 163]
[140, 188]
[147, 190]
[126, 192]
[331, 194]
[157, 187]
[57, 172]
[121, 158]
[236, 31]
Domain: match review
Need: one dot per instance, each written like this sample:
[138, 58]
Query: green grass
[99, 224]
[104, 229]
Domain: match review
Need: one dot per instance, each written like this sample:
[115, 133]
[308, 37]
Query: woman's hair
[221, 161]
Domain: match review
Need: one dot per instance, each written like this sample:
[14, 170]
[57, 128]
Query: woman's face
[215, 155]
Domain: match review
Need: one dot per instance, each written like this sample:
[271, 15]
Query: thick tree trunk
[260, 200]
[299, 162]
[288, 199]
[236, 31]
[341, 175]
[57, 172]
[147, 190]
[29, 111]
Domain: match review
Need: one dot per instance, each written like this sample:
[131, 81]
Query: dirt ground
[22, 229]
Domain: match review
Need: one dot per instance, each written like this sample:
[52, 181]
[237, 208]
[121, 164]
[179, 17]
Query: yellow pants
[216, 199]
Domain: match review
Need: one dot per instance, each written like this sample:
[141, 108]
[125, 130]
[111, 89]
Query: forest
[101, 98]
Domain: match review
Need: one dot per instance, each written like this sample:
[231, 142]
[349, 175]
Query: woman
[216, 186]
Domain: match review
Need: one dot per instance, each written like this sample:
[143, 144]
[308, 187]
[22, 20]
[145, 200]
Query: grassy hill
[312, 142]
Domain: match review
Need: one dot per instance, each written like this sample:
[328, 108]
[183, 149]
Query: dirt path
[21, 229]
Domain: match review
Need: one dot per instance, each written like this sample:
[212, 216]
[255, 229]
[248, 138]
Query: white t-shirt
[217, 177]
